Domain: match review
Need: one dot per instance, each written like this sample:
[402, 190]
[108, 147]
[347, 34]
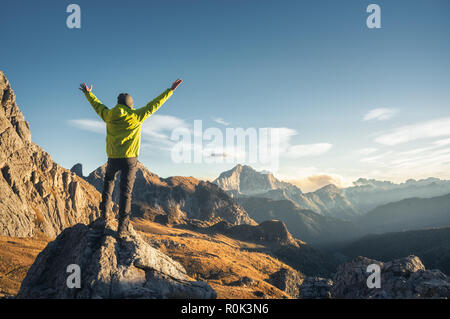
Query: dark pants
[127, 167]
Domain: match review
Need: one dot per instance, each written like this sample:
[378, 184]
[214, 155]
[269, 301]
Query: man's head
[125, 99]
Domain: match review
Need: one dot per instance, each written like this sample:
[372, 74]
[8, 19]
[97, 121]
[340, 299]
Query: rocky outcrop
[269, 231]
[36, 194]
[176, 200]
[287, 280]
[109, 268]
[300, 286]
[316, 288]
[77, 169]
[401, 278]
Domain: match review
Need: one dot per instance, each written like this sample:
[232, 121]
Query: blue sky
[351, 101]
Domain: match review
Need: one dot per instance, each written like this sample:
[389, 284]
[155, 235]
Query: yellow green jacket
[123, 124]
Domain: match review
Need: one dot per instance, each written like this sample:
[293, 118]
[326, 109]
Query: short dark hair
[121, 99]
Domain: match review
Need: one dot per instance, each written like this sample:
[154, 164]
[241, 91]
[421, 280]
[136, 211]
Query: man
[123, 139]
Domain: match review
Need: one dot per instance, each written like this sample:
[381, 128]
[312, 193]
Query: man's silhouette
[123, 139]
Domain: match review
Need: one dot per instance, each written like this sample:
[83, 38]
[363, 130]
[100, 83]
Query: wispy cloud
[156, 130]
[220, 121]
[90, 125]
[288, 149]
[366, 151]
[380, 114]
[422, 130]
[303, 150]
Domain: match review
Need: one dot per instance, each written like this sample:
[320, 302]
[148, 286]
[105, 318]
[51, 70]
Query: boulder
[400, 278]
[109, 268]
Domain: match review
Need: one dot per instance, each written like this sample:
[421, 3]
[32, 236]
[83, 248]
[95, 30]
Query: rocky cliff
[176, 199]
[36, 194]
[400, 278]
[108, 268]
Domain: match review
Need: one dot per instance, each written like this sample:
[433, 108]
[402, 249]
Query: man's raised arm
[144, 112]
[98, 106]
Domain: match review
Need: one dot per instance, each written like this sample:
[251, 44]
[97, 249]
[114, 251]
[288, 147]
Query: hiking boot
[124, 226]
[99, 223]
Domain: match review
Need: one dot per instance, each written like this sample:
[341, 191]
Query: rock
[287, 280]
[176, 200]
[77, 169]
[269, 231]
[401, 278]
[243, 282]
[316, 288]
[109, 268]
[36, 194]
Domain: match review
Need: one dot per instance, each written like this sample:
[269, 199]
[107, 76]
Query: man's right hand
[175, 84]
[83, 87]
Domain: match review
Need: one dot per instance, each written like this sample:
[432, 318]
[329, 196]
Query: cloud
[155, 130]
[296, 151]
[288, 149]
[366, 151]
[220, 121]
[416, 162]
[380, 114]
[158, 127]
[314, 182]
[90, 125]
[407, 133]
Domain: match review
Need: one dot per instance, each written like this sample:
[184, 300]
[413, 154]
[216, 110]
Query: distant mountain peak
[245, 180]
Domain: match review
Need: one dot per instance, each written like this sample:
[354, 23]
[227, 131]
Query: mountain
[407, 214]
[431, 245]
[176, 199]
[302, 223]
[36, 194]
[244, 181]
[367, 194]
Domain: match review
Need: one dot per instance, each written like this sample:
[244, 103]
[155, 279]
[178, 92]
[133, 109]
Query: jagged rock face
[77, 169]
[244, 180]
[35, 192]
[300, 286]
[316, 288]
[401, 278]
[176, 199]
[270, 231]
[287, 280]
[109, 268]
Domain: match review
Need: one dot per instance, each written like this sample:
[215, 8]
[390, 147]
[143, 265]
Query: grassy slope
[16, 256]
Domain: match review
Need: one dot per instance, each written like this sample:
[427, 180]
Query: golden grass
[218, 260]
[16, 257]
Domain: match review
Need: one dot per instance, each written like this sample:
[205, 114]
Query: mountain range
[345, 203]
[247, 235]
